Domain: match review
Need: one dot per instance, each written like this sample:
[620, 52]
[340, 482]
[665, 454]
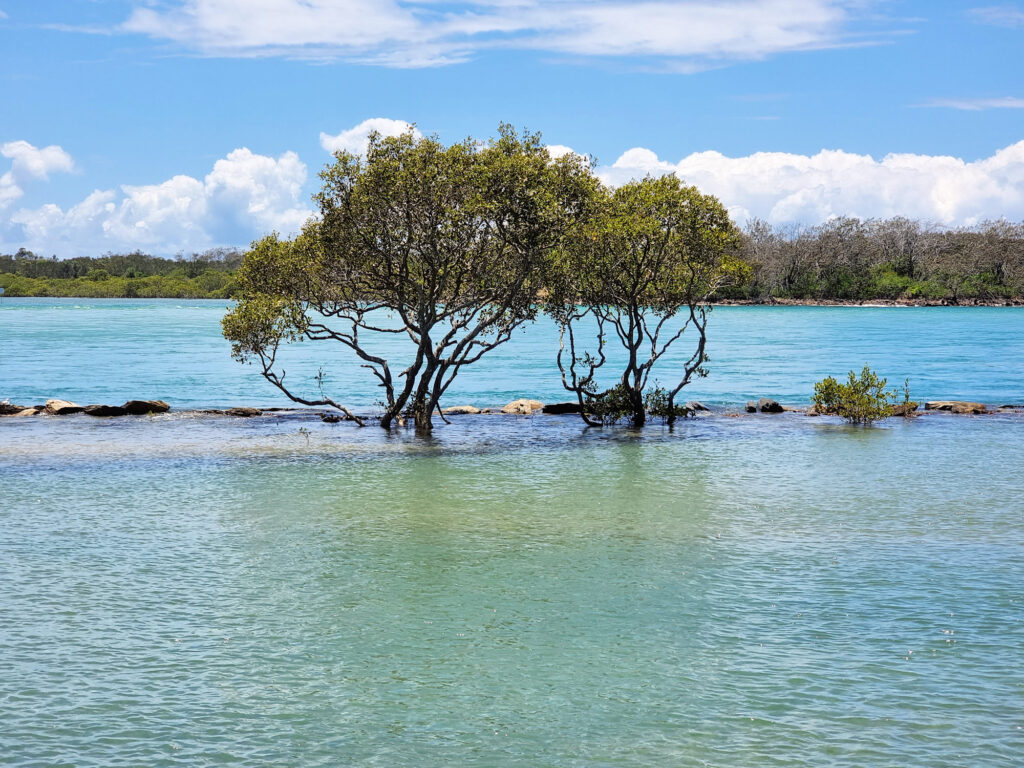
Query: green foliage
[616, 405]
[862, 399]
[221, 286]
[202, 276]
[256, 327]
[842, 259]
[611, 406]
[642, 268]
[891, 259]
[442, 246]
[660, 404]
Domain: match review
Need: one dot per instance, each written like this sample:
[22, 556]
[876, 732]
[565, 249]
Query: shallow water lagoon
[112, 350]
[770, 591]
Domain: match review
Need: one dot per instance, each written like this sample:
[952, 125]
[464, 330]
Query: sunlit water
[109, 350]
[754, 591]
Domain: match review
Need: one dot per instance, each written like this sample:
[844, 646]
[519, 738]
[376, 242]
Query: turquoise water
[512, 591]
[109, 350]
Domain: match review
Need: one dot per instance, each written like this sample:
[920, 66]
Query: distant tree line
[844, 259]
[209, 274]
[882, 259]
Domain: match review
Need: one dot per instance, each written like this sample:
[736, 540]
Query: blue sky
[176, 125]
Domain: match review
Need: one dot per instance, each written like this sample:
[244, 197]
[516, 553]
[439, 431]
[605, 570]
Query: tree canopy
[441, 245]
[643, 270]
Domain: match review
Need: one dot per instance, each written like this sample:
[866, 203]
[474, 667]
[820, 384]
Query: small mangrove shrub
[862, 399]
[616, 405]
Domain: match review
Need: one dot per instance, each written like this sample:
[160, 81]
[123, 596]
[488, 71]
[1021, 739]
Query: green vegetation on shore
[207, 275]
[842, 260]
[847, 259]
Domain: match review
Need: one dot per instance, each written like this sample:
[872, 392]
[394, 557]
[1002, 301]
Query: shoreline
[769, 302]
[867, 303]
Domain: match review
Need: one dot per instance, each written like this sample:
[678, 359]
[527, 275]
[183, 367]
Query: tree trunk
[422, 412]
[636, 398]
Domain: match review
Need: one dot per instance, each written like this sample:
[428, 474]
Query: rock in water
[140, 407]
[955, 406]
[461, 410]
[62, 407]
[523, 406]
[906, 410]
[330, 418]
[105, 410]
[243, 412]
[561, 408]
[751, 406]
[9, 409]
[767, 405]
[694, 406]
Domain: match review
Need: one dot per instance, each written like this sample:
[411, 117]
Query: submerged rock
[561, 408]
[243, 412]
[812, 411]
[955, 406]
[461, 410]
[523, 406]
[62, 407]
[30, 411]
[9, 409]
[140, 407]
[693, 405]
[330, 418]
[767, 405]
[105, 410]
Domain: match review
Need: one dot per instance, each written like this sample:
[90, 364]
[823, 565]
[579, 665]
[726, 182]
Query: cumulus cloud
[246, 195]
[243, 196]
[560, 150]
[684, 36]
[999, 15]
[808, 189]
[30, 163]
[977, 105]
[356, 140]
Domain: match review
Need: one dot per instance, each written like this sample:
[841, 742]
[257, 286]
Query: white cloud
[3, 15]
[246, 195]
[243, 196]
[560, 150]
[356, 140]
[789, 188]
[30, 163]
[9, 191]
[683, 36]
[999, 15]
[976, 105]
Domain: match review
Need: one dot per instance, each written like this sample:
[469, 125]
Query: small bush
[610, 406]
[614, 405]
[657, 404]
[862, 399]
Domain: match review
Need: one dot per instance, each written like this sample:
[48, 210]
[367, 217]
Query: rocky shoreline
[521, 407]
[776, 302]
